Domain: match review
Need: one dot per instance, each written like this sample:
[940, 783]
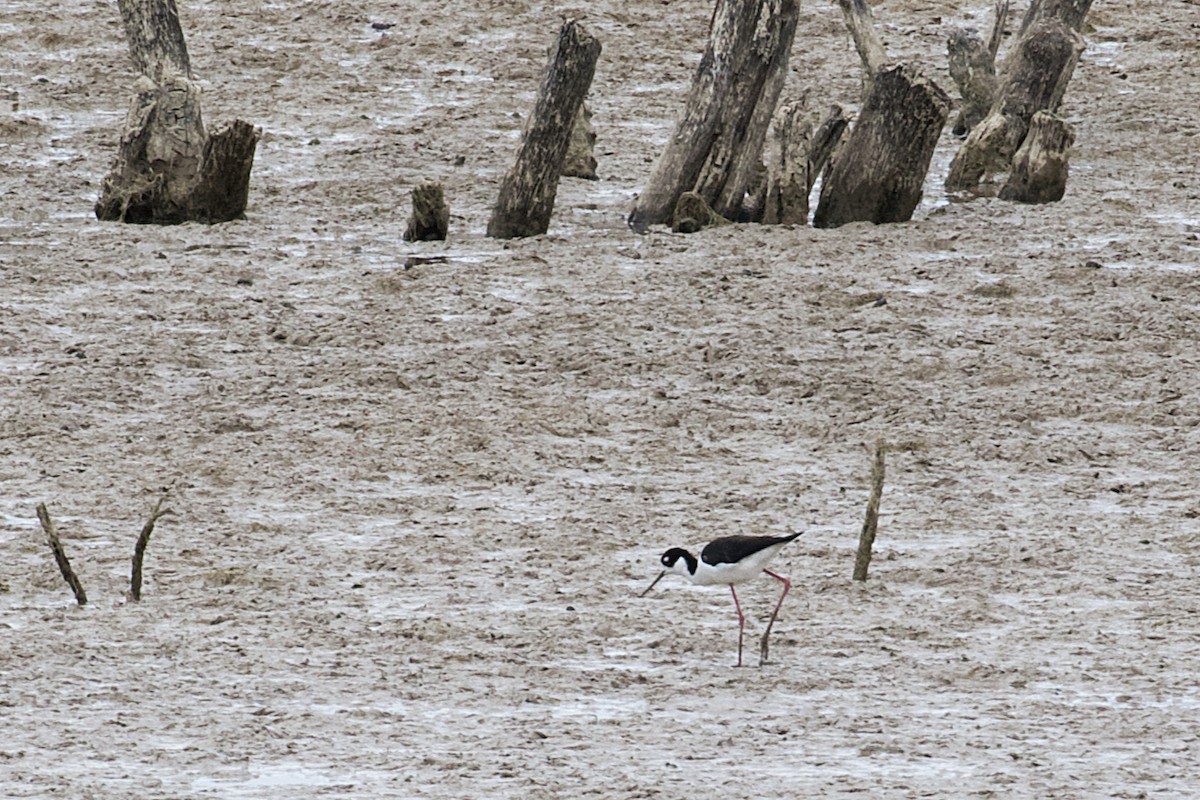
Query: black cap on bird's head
[674, 560]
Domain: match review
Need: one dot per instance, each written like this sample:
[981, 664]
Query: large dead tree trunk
[1035, 77]
[527, 192]
[168, 169]
[716, 148]
[1039, 169]
[878, 175]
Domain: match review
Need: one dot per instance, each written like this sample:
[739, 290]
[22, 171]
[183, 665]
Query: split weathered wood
[786, 200]
[168, 168]
[527, 192]
[716, 148]
[866, 538]
[581, 151]
[861, 23]
[825, 142]
[879, 173]
[60, 555]
[1040, 166]
[1034, 78]
[430, 217]
[139, 549]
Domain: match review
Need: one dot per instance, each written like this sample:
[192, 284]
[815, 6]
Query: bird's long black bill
[651, 586]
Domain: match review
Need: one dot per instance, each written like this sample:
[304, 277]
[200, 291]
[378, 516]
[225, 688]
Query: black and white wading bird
[731, 560]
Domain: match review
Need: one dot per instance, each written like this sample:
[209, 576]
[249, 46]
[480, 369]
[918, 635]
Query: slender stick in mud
[139, 549]
[866, 539]
[60, 555]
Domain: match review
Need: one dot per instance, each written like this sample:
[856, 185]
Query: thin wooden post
[878, 176]
[60, 555]
[861, 23]
[866, 539]
[527, 192]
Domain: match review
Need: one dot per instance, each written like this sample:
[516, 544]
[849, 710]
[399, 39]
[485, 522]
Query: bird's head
[676, 560]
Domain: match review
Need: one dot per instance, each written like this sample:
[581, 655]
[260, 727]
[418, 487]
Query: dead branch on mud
[60, 555]
[139, 549]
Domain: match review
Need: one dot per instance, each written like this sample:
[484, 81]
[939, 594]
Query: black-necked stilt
[731, 560]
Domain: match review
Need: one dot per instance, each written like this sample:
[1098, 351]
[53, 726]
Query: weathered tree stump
[716, 149]
[973, 70]
[1039, 169]
[168, 169]
[692, 213]
[878, 175]
[786, 201]
[1034, 78]
[527, 192]
[430, 218]
[581, 152]
[861, 23]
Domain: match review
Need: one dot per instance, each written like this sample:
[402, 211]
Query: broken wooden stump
[527, 192]
[430, 218]
[693, 213]
[879, 174]
[716, 148]
[1034, 78]
[60, 555]
[581, 151]
[1040, 166]
[168, 169]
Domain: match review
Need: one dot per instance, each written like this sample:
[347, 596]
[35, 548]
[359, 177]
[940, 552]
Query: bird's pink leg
[741, 622]
[787, 585]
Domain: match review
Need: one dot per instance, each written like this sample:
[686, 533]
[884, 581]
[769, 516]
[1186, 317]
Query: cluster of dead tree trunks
[719, 164]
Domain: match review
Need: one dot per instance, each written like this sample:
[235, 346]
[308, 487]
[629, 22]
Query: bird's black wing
[732, 549]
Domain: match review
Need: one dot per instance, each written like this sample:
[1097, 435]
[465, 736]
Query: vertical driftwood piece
[430, 218]
[139, 549]
[1034, 78]
[1039, 169]
[60, 555]
[716, 147]
[527, 192]
[787, 190]
[878, 175]
[581, 152]
[168, 169]
[861, 23]
[866, 539]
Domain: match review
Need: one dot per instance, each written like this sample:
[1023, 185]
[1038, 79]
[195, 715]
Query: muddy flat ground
[415, 501]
